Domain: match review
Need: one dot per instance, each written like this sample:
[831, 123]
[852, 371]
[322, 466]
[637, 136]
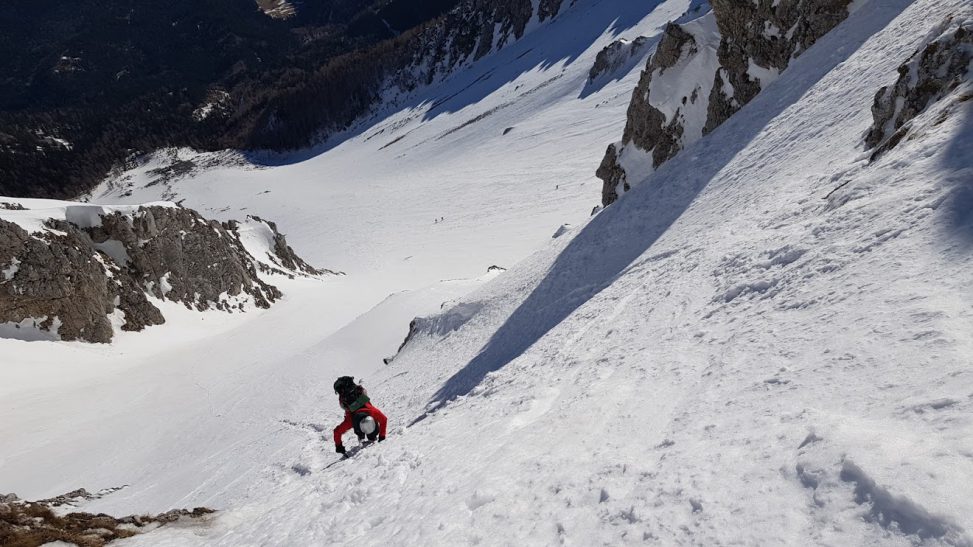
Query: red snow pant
[350, 422]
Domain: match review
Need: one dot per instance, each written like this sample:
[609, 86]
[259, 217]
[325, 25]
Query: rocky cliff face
[707, 66]
[84, 270]
[361, 82]
[468, 32]
[940, 66]
[474, 29]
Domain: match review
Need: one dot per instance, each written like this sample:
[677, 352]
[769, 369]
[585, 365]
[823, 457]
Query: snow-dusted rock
[36, 522]
[562, 229]
[72, 269]
[58, 283]
[704, 70]
[938, 67]
[615, 55]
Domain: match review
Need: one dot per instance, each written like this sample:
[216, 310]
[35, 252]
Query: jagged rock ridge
[77, 275]
[705, 68]
[937, 68]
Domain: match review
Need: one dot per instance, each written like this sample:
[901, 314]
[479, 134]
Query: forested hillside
[86, 84]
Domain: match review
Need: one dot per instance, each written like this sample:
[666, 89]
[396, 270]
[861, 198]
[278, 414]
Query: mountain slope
[766, 341]
[89, 85]
[208, 401]
[735, 352]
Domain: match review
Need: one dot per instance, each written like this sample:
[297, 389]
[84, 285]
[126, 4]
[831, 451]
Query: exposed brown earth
[34, 523]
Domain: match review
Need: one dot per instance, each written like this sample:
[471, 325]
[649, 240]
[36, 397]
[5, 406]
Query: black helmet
[343, 384]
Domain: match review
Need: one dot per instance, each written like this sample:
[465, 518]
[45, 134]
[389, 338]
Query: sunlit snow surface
[727, 355]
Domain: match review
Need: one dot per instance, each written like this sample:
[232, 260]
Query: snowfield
[769, 341]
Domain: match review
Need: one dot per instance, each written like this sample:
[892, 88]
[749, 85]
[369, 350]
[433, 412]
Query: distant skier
[367, 421]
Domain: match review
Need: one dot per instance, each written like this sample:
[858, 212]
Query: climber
[360, 415]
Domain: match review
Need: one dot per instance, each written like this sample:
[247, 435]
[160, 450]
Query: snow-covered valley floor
[769, 342]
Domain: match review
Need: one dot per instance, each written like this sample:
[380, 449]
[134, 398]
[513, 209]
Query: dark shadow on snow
[270, 158]
[959, 157]
[578, 29]
[620, 234]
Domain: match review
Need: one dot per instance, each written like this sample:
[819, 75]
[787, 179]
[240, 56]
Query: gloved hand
[380, 439]
[339, 448]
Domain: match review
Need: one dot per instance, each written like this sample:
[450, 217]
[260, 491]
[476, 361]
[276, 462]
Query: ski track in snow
[767, 343]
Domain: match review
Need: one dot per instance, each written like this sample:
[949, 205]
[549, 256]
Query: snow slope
[722, 357]
[164, 411]
[767, 342]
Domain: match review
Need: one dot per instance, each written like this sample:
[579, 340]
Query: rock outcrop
[57, 282]
[705, 68]
[28, 523]
[936, 69]
[79, 276]
[616, 55]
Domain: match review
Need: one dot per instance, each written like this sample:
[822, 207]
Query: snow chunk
[115, 249]
[635, 162]
[62, 142]
[764, 76]
[29, 330]
[258, 240]
[164, 284]
[771, 30]
[10, 271]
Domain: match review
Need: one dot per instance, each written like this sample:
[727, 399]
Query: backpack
[351, 396]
